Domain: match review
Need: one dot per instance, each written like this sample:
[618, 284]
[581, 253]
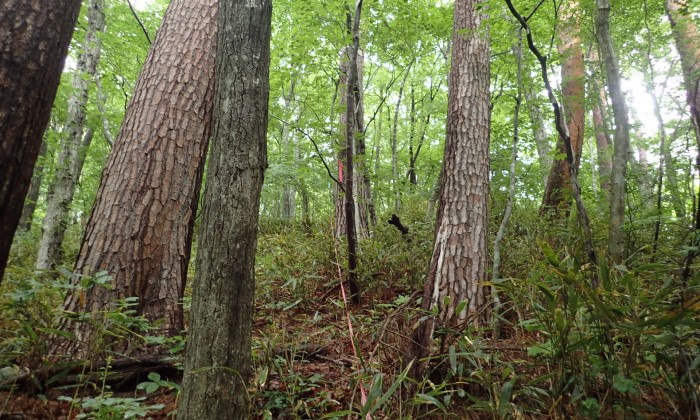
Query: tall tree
[33, 44]
[218, 361]
[616, 234]
[687, 40]
[71, 156]
[557, 193]
[353, 101]
[600, 127]
[458, 266]
[352, 119]
[140, 228]
[289, 151]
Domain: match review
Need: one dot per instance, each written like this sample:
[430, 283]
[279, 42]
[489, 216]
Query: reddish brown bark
[33, 45]
[557, 194]
[140, 229]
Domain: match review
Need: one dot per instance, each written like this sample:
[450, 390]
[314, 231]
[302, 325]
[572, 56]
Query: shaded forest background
[564, 334]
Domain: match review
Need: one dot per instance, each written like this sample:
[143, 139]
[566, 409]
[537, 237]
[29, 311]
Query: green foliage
[108, 407]
[156, 383]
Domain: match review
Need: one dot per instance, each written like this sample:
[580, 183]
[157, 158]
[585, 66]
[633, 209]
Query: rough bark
[33, 45]
[558, 194]
[616, 234]
[459, 262]
[69, 163]
[140, 228]
[25, 222]
[218, 358]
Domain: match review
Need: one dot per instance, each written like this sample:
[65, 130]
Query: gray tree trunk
[33, 45]
[600, 126]
[289, 150]
[69, 163]
[539, 133]
[361, 190]
[616, 234]
[218, 358]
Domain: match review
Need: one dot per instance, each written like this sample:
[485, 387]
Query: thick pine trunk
[459, 262]
[140, 229]
[69, 163]
[218, 358]
[616, 234]
[33, 46]
[558, 193]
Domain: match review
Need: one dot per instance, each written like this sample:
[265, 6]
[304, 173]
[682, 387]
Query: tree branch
[143, 28]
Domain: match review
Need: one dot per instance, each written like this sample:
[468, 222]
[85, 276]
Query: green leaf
[504, 399]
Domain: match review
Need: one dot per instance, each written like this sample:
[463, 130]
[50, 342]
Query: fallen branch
[120, 374]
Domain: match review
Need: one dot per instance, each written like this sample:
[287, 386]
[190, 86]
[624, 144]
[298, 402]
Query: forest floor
[304, 359]
[550, 361]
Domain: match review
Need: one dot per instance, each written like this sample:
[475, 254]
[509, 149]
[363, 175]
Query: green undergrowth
[576, 341]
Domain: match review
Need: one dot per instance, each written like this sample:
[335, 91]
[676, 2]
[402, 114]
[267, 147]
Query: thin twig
[133, 12]
[320, 156]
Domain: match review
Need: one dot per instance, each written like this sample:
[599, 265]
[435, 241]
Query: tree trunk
[600, 127]
[616, 234]
[25, 222]
[413, 155]
[289, 190]
[459, 262]
[557, 194]
[351, 116]
[140, 229]
[34, 43]
[102, 107]
[362, 195]
[69, 164]
[687, 41]
[539, 133]
[218, 357]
